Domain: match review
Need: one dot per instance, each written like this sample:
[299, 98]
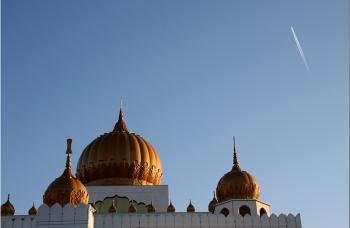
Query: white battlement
[194, 220]
[18, 221]
[83, 217]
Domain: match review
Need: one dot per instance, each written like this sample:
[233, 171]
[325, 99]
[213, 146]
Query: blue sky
[192, 74]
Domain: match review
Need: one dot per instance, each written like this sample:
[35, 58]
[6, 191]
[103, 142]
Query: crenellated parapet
[67, 216]
[195, 220]
[83, 216]
[55, 216]
[18, 221]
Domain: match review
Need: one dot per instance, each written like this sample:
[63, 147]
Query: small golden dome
[190, 207]
[112, 208]
[119, 158]
[151, 208]
[212, 204]
[132, 208]
[237, 184]
[32, 210]
[7, 208]
[66, 188]
[171, 208]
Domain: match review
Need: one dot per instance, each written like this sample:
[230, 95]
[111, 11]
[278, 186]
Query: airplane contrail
[299, 48]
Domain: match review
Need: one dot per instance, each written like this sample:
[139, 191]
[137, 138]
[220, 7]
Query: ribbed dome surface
[237, 185]
[119, 158]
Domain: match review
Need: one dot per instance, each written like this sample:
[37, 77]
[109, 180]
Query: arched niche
[243, 210]
[225, 211]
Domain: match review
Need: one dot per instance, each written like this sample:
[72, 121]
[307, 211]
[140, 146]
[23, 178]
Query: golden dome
[170, 208]
[32, 210]
[120, 158]
[66, 188]
[237, 184]
[7, 208]
[212, 204]
[112, 208]
[190, 207]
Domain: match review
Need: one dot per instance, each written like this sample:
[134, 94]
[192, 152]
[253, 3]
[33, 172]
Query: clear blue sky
[192, 74]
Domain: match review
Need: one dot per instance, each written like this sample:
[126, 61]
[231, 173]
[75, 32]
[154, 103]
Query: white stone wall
[83, 217]
[194, 220]
[66, 217]
[18, 221]
[234, 205]
[158, 194]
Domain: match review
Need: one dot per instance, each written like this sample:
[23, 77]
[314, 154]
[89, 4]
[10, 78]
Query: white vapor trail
[299, 48]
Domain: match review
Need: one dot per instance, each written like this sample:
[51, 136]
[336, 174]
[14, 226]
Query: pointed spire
[235, 159]
[190, 207]
[32, 210]
[120, 126]
[113, 208]
[132, 208]
[151, 208]
[69, 153]
[212, 204]
[170, 208]
[8, 197]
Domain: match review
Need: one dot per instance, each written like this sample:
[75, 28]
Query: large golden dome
[120, 158]
[66, 188]
[237, 184]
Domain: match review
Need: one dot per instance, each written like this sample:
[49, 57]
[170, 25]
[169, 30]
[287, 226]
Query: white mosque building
[118, 185]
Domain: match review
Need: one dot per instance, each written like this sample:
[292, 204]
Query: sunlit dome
[66, 188]
[237, 184]
[119, 158]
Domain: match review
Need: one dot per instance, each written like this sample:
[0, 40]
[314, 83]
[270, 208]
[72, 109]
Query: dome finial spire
[235, 158]
[121, 116]
[69, 152]
[120, 126]
[66, 188]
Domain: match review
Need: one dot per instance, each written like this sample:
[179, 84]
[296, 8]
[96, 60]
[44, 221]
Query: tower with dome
[118, 184]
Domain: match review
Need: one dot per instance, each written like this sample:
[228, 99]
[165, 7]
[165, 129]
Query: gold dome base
[118, 181]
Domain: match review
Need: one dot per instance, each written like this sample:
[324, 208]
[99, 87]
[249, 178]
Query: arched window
[225, 211]
[262, 211]
[243, 210]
